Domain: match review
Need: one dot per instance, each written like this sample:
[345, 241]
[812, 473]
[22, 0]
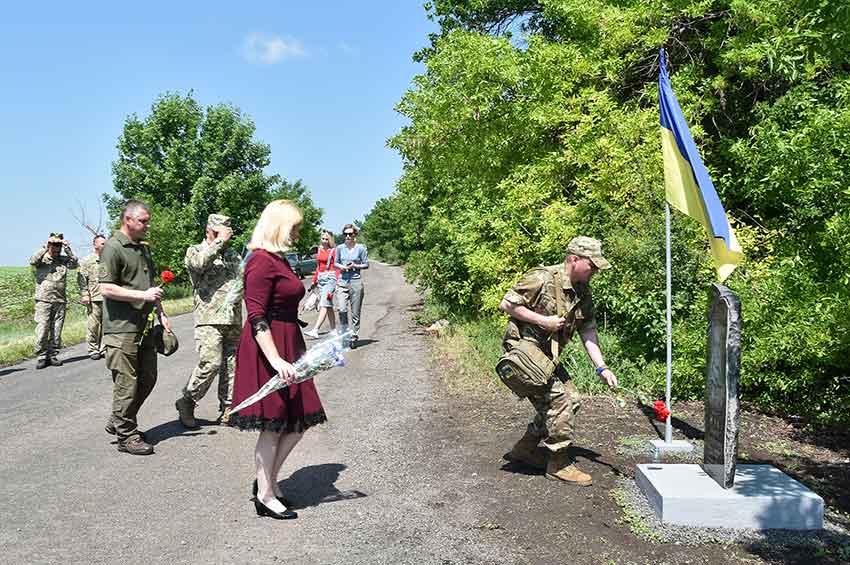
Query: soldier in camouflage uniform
[536, 315]
[51, 272]
[87, 280]
[214, 269]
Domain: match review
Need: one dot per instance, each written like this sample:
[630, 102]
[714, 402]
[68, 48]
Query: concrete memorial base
[763, 497]
[675, 446]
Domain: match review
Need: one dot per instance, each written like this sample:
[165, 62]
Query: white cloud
[263, 49]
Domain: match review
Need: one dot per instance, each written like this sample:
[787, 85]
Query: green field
[17, 327]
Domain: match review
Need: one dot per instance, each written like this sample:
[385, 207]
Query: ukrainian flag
[688, 187]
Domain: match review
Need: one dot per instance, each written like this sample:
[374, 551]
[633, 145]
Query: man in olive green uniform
[51, 272]
[547, 317]
[214, 269]
[129, 299]
[87, 280]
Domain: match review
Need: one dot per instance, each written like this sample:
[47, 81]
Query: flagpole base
[675, 446]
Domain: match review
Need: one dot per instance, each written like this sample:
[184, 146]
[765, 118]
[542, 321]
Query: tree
[186, 163]
[512, 147]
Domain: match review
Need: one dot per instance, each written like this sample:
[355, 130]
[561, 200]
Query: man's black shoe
[56, 362]
[41, 364]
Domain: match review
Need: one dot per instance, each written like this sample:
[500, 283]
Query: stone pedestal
[762, 497]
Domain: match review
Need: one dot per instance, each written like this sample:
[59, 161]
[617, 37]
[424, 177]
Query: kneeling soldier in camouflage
[545, 307]
[51, 273]
[214, 269]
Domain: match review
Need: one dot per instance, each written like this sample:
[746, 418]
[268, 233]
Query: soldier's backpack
[524, 368]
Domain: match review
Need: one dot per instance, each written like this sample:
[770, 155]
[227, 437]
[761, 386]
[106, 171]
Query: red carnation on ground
[661, 411]
[167, 277]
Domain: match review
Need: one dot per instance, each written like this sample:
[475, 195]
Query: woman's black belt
[285, 316]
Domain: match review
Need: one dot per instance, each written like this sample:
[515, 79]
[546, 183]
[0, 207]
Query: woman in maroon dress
[270, 343]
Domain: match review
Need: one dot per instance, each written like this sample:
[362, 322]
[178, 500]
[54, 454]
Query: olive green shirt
[536, 291]
[128, 265]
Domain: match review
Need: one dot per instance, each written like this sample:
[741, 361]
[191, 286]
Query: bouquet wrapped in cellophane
[325, 354]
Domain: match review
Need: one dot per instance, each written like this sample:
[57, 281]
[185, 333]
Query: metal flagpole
[669, 444]
[668, 426]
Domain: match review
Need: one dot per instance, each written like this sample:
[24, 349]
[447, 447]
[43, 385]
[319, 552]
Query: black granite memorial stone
[721, 386]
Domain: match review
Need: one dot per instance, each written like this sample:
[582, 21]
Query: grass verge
[17, 337]
[473, 346]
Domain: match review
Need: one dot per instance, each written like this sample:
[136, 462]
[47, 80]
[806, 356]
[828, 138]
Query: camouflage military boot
[186, 412]
[561, 467]
[526, 451]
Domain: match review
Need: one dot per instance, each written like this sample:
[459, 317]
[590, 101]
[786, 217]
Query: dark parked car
[302, 264]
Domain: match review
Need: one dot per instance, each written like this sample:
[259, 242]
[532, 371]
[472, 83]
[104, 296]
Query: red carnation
[167, 277]
[661, 411]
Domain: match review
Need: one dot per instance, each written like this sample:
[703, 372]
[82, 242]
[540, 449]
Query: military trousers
[556, 409]
[349, 295]
[49, 320]
[216, 347]
[94, 327]
[133, 367]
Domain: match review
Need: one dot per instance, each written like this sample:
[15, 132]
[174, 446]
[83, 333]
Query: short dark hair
[98, 236]
[353, 228]
[132, 206]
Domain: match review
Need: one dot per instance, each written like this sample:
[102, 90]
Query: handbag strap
[331, 253]
[560, 310]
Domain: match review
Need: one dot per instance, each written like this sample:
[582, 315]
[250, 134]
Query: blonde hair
[273, 231]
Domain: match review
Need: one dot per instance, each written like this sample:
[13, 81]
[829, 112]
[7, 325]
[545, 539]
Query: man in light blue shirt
[351, 258]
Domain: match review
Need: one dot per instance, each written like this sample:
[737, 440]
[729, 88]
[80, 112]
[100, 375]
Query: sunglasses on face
[349, 234]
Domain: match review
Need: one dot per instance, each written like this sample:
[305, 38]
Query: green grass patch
[17, 337]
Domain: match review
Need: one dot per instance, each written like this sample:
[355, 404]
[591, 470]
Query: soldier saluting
[213, 267]
[51, 273]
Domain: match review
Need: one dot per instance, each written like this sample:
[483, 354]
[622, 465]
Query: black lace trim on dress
[259, 325]
[256, 423]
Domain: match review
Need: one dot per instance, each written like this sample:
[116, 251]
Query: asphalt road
[370, 484]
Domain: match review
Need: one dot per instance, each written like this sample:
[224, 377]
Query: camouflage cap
[590, 248]
[217, 221]
[56, 238]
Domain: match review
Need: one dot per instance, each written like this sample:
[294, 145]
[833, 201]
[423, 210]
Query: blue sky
[319, 80]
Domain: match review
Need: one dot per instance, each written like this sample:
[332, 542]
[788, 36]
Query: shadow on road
[75, 359]
[314, 485]
[174, 428]
[361, 343]
[4, 372]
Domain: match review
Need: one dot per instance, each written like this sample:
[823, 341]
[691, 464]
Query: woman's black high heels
[282, 499]
[263, 510]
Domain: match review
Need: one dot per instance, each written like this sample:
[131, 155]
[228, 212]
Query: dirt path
[403, 472]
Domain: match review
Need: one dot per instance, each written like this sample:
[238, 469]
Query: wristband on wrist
[600, 370]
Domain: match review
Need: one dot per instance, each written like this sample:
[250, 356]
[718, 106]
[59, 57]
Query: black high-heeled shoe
[263, 510]
[283, 500]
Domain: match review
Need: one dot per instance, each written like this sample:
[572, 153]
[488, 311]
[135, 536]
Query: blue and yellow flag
[689, 188]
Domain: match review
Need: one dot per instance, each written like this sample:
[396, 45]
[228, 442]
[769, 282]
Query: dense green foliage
[536, 121]
[187, 162]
